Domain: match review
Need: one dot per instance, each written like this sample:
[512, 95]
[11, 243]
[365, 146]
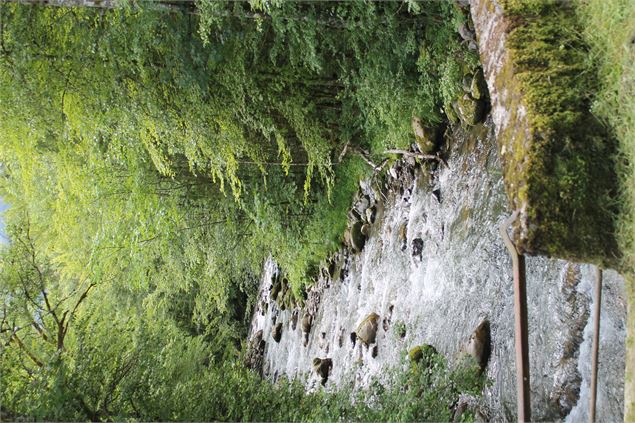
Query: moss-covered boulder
[426, 137]
[367, 329]
[422, 354]
[478, 86]
[558, 160]
[469, 110]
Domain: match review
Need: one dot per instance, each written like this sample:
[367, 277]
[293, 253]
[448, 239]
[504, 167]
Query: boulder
[371, 213]
[479, 344]
[322, 367]
[305, 324]
[478, 86]
[470, 111]
[357, 238]
[422, 355]
[367, 329]
[426, 137]
[276, 287]
[417, 248]
[276, 332]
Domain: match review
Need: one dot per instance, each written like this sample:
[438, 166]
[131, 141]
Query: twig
[417, 155]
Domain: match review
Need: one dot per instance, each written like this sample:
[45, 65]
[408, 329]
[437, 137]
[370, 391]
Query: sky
[3, 207]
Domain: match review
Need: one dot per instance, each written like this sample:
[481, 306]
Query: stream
[434, 265]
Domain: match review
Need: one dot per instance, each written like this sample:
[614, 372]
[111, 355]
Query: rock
[371, 213]
[374, 352]
[422, 355]
[426, 137]
[479, 344]
[417, 248]
[463, 4]
[466, 33]
[353, 338]
[294, 319]
[478, 87]
[470, 111]
[276, 287]
[305, 324]
[437, 194]
[365, 229]
[322, 367]
[254, 359]
[276, 332]
[357, 238]
[467, 83]
[361, 205]
[367, 329]
[403, 235]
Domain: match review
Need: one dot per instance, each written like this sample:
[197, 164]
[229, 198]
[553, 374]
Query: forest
[154, 154]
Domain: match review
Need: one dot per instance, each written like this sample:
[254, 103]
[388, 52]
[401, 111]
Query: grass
[609, 28]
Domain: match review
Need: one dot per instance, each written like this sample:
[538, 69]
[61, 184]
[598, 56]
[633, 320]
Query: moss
[422, 355]
[560, 165]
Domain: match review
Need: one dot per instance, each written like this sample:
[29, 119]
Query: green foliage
[154, 158]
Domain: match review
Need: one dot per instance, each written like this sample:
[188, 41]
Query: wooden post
[596, 343]
[521, 332]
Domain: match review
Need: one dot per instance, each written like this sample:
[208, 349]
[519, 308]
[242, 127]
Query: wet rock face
[479, 344]
[567, 379]
[367, 329]
[254, 358]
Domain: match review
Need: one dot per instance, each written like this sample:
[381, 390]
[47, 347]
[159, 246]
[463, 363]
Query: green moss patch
[562, 169]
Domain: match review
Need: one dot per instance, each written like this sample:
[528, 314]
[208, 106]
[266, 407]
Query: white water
[464, 276]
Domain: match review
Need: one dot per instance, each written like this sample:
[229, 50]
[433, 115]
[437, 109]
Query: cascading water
[435, 265]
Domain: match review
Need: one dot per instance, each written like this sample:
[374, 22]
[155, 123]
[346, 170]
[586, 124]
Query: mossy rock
[422, 355]
[478, 87]
[558, 160]
[426, 137]
[470, 111]
[367, 329]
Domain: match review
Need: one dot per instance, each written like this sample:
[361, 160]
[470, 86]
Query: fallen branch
[417, 155]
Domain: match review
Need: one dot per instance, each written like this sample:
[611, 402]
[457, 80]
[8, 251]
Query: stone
[417, 248]
[276, 287]
[470, 111]
[422, 355]
[367, 329]
[357, 238]
[371, 213]
[426, 137]
[322, 367]
[466, 33]
[478, 87]
[305, 323]
[365, 229]
[479, 344]
[276, 332]
[403, 235]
